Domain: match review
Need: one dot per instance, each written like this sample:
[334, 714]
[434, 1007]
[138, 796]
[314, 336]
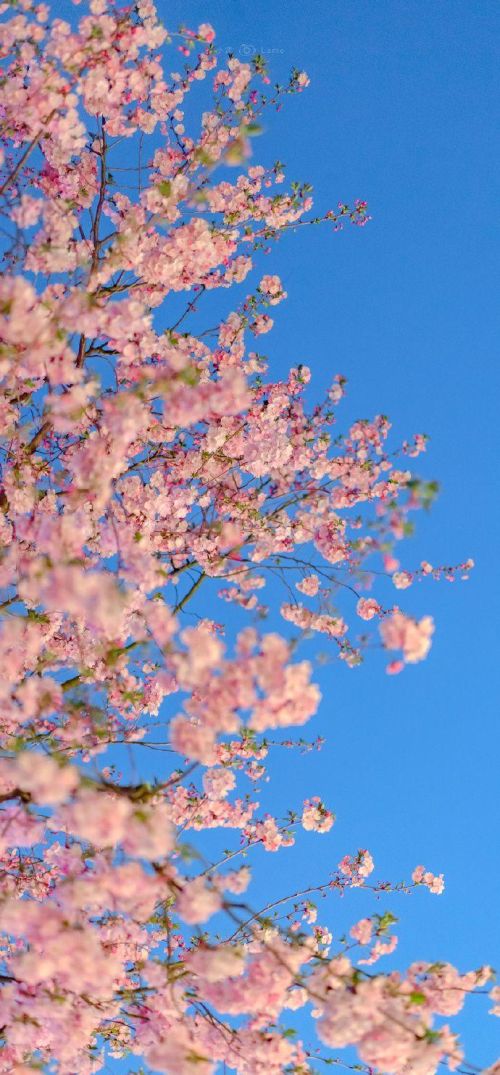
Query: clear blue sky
[402, 111]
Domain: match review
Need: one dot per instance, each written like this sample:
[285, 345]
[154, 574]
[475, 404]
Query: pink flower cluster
[400, 632]
[357, 867]
[434, 882]
[316, 817]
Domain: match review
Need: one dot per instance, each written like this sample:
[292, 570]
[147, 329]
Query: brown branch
[35, 441]
[22, 160]
[15, 793]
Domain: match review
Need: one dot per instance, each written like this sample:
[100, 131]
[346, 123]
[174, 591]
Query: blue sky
[400, 111]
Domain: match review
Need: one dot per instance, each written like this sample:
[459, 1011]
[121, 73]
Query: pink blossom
[316, 817]
[395, 667]
[309, 585]
[197, 901]
[149, 834]
[434, 882]
[380, 948]
[217, 964]
[358, 867]
[413, 638]
[272, 288]
[205, 651]
[178, 1053]
[43, 778]
[402, 579]
[237, 881]
[206, 32]
[193, 740]
[217, 783]
[101, 819]
[362, 930]
[367, 608]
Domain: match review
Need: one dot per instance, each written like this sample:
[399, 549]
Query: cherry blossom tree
[151, 472]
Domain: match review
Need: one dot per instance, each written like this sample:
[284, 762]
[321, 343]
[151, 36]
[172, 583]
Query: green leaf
[418, 998]
[190, 375]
